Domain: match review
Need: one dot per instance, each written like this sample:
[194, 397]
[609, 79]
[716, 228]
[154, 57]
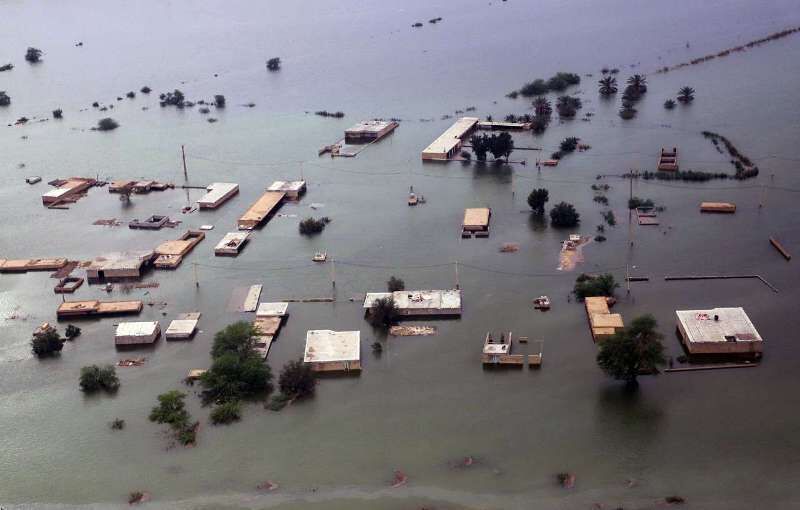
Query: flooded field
[721, 439]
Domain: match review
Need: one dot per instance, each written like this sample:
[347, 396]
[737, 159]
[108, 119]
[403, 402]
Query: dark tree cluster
[557, 83]
[587, 285]
[95, 378]
[635, 350]
[313, 226]
[274, 64]
[564, 215]
[171, 410]
[500, 145]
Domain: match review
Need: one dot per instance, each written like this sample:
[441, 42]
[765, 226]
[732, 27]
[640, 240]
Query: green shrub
[227, 412]
[382, 313]
[394, 284]
[94, 378]
[46, 342]
[297, 380]
[594, 285]
[312, 226]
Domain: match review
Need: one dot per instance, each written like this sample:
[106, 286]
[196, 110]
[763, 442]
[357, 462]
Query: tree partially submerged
[274, 64]
[171, 410]
[382, 313]
[500, 145]
[297, 380]
[632, 351]
[5, 99]
[6, 67]
[537, 199]
[227, 412]
[95, 378]
[33, 55]
[587, 285]
[312, 226]
[107, 124]
[564, 215]
[686, 95]
[394, 284]
[46, 341]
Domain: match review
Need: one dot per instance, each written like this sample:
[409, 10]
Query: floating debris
[131, 362]
[399, 479]
[412, 330]
[509, 247]
[566, 480]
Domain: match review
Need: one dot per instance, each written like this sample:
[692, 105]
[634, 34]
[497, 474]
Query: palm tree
[628, 111]
[542, 106]
[608, 86]
[638, 82]
[669, 104]
[686, 95]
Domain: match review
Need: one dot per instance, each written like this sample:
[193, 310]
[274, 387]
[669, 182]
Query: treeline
[557, 83]
[744, 167]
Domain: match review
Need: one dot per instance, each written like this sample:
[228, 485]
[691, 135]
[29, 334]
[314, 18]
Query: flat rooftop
[232, 239]
[287, 186]
[145, 329]
[217, 191]
[272, 309]
[181, 328]
[477, 217]
[261, 209]
[452, 136]
[419, 299]
[324, 345]
[732, 325]
[369, 127]
[121, 260]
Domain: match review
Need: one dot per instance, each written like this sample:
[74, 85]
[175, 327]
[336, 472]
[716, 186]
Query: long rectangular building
[265, 206]
[449, 142]
[218, 194]
[72, 309]
[67, 188]
[420, 302]
[602, 322]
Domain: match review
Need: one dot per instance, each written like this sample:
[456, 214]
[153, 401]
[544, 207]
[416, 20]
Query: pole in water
[183, 155]
[458, 284]
[196, 281]
[333, 273]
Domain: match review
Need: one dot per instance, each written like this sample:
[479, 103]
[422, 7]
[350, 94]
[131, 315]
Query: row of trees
[557, 83]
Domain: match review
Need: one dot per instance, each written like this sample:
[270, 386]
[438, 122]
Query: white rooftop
[324, 345]
[287, 186]
[369, 126]
[181, 327]
[272, 309]
[136, 328]
[419, 299]
[452, 136]
[732, 324]
[216, 191]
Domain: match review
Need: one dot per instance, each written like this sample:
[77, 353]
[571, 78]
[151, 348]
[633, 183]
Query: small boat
[33, 179]
[412, 197]
[575, 238]
[206, 227]
[320, 256]
[542, 303]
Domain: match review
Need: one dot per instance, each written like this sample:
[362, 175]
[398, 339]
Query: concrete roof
[272, 309]
[287, 186]
[239, 237]
[181, 327]
[369, 126]
[700, 325]
[452, 136]
[217, 190]
[121, 260]
[324, 345]
[419, 299]
[136, 328]
[477, 216]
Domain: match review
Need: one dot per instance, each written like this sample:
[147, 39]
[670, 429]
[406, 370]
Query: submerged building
[449, 143]
[333, 351]
[420, 302]
[719, 332]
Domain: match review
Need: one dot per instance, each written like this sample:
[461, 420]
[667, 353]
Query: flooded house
[415, 303]
[333, 351]
[449, 143]
[136, 333]
[218, 194]
[119, 266]
[719, 332]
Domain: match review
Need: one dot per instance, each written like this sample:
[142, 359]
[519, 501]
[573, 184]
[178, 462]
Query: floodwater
[721, 439]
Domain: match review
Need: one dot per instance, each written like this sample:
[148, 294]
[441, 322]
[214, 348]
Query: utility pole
[458, 283]
[333, 273]
[630, 236]
[196, 281]
[185, 172]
